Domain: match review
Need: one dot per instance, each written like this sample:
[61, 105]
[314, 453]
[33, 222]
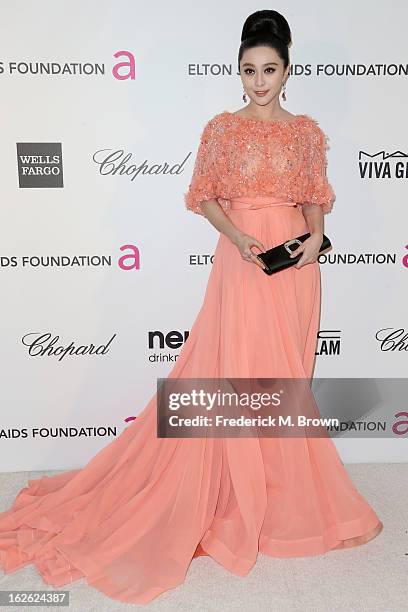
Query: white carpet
[372, 577]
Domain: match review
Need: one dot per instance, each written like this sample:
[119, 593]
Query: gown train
[134, 517]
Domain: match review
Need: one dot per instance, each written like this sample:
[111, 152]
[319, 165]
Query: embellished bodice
[240, 156]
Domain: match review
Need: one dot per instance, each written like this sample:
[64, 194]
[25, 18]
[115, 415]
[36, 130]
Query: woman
[135, 516]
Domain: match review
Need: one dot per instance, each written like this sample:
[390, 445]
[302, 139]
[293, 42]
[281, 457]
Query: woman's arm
[216, 216]
[310, 248]
[201, 196]
[318, 196]
[314, 218]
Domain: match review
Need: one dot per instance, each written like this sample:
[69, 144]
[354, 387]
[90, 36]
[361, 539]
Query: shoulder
[313, 130]
[214, 127]
[310, 123]
[216, 121]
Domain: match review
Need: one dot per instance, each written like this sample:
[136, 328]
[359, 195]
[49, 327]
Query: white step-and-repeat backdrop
[103, 270]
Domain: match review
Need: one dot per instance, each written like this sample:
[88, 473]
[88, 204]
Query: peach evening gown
[131, 520]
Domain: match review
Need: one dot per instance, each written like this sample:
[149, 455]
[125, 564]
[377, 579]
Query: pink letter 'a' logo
[130, 261]
[400, 428]
[405, 258]
[130, 64]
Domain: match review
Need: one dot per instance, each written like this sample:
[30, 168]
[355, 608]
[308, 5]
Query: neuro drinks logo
[162, 344]
[383, 165]
[39, 164]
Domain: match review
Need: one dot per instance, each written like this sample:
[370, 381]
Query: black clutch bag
[278, 258]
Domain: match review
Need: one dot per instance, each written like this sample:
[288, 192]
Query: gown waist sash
[258, 201]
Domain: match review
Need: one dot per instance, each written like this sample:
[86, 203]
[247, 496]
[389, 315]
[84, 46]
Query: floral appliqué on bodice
[240, 156]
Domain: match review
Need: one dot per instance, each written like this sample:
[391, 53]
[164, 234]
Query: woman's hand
[310, 249]
[244, 243]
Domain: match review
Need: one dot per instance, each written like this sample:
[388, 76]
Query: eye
[270, 69]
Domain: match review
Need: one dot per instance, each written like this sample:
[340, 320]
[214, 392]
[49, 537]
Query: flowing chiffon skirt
[134, 517]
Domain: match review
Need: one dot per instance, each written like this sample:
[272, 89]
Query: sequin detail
[240, 156]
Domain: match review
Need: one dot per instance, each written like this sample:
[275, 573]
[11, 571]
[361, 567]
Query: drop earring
[284, 92]
[244, 97]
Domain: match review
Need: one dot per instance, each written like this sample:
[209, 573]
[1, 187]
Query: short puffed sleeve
[203, 185]
[317, 189]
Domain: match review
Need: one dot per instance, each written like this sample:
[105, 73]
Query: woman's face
[262, 69]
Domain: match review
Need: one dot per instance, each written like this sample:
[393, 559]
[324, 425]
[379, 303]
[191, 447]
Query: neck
[270, 111]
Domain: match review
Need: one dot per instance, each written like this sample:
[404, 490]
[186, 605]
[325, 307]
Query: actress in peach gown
[131, 520]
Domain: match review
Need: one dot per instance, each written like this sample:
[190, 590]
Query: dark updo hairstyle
[266, 28]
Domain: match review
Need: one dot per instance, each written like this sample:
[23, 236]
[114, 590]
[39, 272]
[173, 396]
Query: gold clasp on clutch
[289, 242]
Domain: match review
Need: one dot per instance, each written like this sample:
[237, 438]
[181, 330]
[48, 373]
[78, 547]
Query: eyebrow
[267, 64]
